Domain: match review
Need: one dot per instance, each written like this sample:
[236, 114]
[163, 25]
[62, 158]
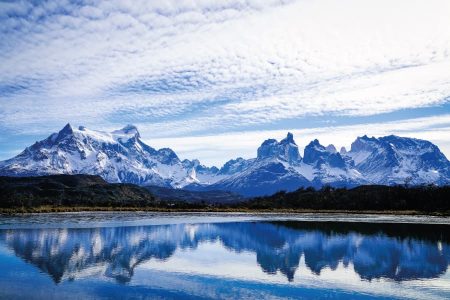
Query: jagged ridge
[121, 156]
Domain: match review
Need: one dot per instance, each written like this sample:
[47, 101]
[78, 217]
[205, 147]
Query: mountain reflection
[394, 251]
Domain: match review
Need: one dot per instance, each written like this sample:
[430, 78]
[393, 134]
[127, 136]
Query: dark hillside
[70, 190]
[198, 197]
[362, 198]
[92, 191]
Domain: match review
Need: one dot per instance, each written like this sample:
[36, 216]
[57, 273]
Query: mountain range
[122, 157]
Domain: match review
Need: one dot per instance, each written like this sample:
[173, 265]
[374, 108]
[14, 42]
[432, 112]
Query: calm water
[148, 256]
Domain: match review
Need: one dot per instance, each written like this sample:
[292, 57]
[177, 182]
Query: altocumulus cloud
[202, 68]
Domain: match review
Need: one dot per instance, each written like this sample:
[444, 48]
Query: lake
[223, 256]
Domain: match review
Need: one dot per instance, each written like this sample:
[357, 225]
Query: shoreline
[66, 209]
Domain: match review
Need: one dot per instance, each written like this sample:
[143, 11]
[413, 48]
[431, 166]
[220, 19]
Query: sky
[212, 79]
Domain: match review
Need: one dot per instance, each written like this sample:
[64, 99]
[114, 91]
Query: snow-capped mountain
[387, 160]
[286, 150]
[329, 167]
[279, 166]
[398, 160]
[121, 156]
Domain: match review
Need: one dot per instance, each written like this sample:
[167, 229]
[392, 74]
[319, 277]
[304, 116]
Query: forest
[66, 192]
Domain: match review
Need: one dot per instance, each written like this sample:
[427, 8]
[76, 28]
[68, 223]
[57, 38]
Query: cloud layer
[203, 68]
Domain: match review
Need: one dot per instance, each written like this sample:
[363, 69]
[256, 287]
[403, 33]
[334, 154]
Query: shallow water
[155, 255]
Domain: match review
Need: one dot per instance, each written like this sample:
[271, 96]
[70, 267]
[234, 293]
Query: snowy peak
[331, 148]
[289, 139]
[121, 156]
[318, 155]
[409, 144]
[278, 166]
[118, 156]
[427, 153]
[167, 156]
[234, 166]
[396, 160]
[285, 150]
[364, 143]
[129, 131]
[67, 130]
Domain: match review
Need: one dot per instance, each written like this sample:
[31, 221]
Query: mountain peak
[286, 149]
[68, 129]
[169, 157]
[288, 139]
[129, 127]
[269, 142]
[363, 143]
[331, 148]
[120, 156]
[129, 130]
[366, 138]
[317, 154]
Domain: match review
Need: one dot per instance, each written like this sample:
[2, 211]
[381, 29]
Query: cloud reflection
[397, 252]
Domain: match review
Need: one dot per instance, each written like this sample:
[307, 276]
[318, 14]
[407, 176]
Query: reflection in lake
[387, 252]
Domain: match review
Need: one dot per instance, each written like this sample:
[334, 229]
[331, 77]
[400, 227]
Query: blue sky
[213, 79]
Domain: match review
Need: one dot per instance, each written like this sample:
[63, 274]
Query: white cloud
[205, 67]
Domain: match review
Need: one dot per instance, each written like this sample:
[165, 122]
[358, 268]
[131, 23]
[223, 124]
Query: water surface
[151, 255]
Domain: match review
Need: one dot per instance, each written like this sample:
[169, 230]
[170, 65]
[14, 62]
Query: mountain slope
[279, 166]
[398, 160]
[71, 190]
[194, 197]
[122, 157]
[119, 156]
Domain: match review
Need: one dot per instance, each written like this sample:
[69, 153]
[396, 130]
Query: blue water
[220, 256]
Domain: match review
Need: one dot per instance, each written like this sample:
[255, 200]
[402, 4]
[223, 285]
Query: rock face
[318, 155]
[285, 150]
[121, 156]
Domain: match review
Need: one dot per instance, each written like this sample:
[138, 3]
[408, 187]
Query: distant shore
[75, 193]
[64, 209]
